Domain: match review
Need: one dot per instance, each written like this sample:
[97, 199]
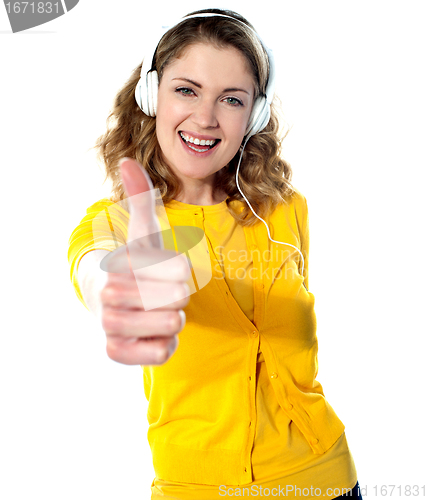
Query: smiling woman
[265, 181]
[235, 404]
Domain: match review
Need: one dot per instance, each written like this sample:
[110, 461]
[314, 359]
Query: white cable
[237, 185]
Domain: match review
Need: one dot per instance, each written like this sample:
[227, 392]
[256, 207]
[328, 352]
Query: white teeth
[198, 150]
[197, 142]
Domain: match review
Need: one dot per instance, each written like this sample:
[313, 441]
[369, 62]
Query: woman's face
[205, 99]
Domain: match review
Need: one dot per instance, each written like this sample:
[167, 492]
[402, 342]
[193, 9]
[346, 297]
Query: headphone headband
[146, 89]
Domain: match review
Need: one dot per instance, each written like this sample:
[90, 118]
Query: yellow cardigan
[202, 402]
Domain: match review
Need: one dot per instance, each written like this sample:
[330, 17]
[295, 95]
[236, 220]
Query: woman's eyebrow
[196, 84]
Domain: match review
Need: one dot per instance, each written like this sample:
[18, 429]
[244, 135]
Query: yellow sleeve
[105, 227]
[305, 244]
[303, 225]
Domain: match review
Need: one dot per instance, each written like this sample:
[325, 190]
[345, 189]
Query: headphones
[146, 91]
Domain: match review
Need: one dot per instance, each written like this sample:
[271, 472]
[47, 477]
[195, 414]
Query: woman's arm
[140, 293]
[92, 279]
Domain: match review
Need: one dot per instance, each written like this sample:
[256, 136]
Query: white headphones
[146, 91]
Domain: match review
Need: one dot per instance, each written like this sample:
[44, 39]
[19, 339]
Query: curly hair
[265, 178]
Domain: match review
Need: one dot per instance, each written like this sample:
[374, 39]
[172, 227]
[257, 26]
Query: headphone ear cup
[139, 94]
[152, 92]
[146, 93]
[259, 117]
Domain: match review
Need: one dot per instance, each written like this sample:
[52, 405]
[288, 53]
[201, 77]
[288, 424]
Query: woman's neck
[201, 197]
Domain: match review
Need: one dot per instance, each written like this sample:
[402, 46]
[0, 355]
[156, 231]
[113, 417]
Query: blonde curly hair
[264, 177]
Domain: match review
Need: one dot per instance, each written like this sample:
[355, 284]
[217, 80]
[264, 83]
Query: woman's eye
[185, 91]
[233, 101]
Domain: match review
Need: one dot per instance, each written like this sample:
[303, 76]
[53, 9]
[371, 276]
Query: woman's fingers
[137, 351]
[155, 339]
[141, 200]
[137, 323]
[126, 295]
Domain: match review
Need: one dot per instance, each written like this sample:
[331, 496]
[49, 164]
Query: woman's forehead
[207, 57]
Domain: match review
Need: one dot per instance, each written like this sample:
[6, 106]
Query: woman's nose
[204, 115]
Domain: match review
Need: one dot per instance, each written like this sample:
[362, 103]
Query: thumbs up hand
[146, 288]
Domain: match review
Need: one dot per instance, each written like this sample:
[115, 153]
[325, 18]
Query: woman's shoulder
[296, 201]
[108, 205]
[298, 197]
[99, 205]
[293, 208]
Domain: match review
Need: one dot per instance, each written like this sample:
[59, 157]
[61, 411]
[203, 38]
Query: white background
[353, 80]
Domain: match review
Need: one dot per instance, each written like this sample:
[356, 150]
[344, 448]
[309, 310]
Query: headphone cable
[237, 185]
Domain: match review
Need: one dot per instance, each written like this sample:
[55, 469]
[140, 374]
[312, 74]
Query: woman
[234, 407]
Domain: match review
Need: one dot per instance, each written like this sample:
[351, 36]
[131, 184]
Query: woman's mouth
[198, 145]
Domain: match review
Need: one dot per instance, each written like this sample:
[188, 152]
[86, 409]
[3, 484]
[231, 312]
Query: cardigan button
[260, 286]
[315, 441]
[273, 375]
[254, 333]
[290, 406]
